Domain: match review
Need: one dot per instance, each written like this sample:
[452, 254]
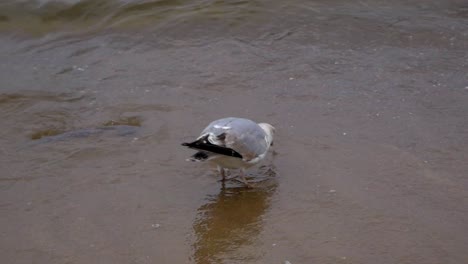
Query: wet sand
[370, 102]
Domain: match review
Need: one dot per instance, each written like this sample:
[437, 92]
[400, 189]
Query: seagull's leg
[222, 172]
[229, 175]
[243, 179]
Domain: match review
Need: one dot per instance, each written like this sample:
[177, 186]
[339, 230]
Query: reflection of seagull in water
[229, 223]
[233, 143]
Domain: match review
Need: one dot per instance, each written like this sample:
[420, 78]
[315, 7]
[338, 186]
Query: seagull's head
[269, 130]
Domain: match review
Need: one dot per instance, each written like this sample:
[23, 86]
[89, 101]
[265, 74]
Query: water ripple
[45, 16]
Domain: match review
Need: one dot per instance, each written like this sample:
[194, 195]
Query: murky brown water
[370, 101]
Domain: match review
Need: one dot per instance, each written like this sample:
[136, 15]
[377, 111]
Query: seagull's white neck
[269, 131]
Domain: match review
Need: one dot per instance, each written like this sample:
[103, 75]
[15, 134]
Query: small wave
[44, 16]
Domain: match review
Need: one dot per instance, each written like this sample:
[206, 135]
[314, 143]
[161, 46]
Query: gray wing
[242, 135]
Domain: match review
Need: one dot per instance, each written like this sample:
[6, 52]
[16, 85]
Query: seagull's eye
[271, 143]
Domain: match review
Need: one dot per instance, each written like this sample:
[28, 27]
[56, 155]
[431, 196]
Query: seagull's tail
[204, 145]
[199, 156]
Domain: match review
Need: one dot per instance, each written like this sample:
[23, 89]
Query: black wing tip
[200, 145]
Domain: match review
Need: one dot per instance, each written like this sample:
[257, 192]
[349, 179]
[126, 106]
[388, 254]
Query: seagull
[233, 143]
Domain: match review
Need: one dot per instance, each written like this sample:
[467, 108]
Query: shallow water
[369, 99]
